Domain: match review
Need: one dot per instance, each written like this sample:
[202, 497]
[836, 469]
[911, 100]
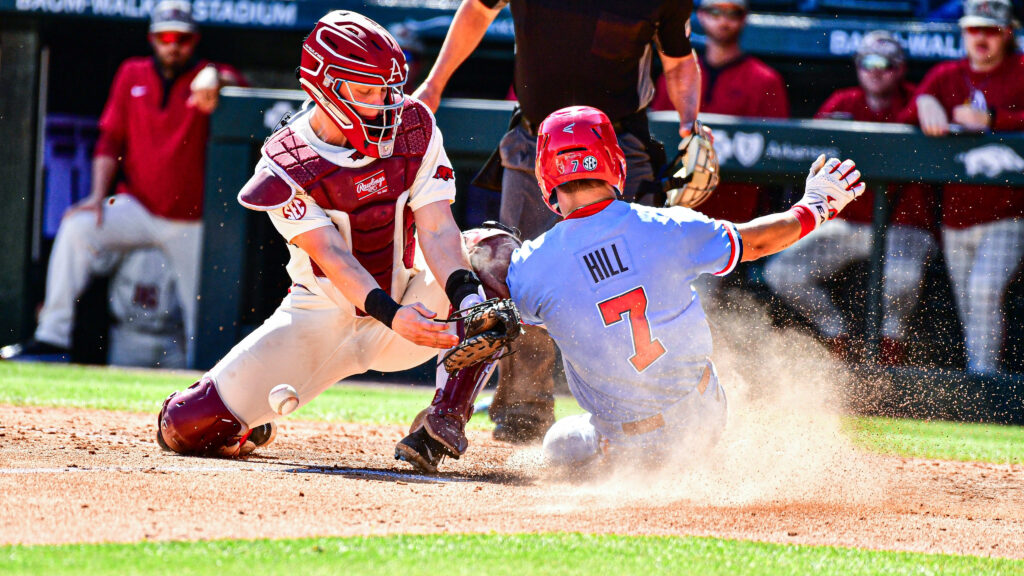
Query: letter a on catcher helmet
[577, 143]
[346, 51]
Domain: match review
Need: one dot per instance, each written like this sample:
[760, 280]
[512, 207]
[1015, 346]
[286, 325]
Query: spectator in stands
[153, 130]
[798, 274]
[733, 83]
[982, 226]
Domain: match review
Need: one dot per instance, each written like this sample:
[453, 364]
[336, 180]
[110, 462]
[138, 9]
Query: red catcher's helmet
[576, 143]
[347, 50]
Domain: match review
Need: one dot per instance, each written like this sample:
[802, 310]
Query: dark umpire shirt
[592, 52]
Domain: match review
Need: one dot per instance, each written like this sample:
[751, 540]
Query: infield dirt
[89, 476]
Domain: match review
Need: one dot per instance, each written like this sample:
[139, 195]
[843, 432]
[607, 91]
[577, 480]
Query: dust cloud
[783, 444]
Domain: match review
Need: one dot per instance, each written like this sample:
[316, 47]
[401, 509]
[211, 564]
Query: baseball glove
[693, 174]
[485, 330]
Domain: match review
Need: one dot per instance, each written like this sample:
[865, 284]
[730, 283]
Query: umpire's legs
[524, 405]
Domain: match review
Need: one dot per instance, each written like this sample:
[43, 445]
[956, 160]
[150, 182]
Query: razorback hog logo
[444, 173]
[295, 211]
[991, 160]
[375, 183]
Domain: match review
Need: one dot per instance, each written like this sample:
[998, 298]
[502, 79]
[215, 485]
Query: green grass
[940, 440]
[27, 384]
[493, 554]
[144, 390]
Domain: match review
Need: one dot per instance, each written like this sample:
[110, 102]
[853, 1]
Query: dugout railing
[233, 298]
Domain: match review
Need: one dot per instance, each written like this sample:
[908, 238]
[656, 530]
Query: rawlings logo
[991, 160]
[444, 173]
[375, 183]
[295, 211]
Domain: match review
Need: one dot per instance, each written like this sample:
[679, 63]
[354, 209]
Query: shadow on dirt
[409, 476]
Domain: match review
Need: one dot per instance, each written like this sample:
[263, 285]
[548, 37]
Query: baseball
[283, 399]
[206, 79]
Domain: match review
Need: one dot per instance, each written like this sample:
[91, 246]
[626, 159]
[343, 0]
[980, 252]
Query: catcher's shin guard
[453, 406]
[196, 422]
[440, 430]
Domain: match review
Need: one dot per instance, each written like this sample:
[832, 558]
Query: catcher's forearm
[768, 234]
[441, 243]
[328, 249]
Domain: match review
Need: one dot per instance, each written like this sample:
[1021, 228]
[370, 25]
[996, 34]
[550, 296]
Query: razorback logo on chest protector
[368, 194]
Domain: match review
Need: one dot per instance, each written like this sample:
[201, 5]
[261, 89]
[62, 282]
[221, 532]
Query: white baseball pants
[310, 343]
[796, 274]
[982, 261]
[127, 225]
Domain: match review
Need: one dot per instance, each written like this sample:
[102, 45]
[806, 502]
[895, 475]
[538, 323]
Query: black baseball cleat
[35, 351]
[421, 450]
[263, 434]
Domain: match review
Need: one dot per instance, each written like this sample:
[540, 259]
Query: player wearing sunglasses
[153, 132]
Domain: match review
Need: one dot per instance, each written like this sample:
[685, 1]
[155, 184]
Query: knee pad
[490, 250]
[195, 421]
[571, 441]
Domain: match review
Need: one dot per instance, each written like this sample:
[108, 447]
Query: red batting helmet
[346, 49]
[576, 143]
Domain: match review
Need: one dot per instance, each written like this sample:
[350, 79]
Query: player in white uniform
[613, 281]
[359, 185]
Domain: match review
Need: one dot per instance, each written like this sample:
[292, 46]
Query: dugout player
[612, 283]
[982, 226]
[359, 185]
[734, 83]
[594, 53]
[797, 275]
[153, 130]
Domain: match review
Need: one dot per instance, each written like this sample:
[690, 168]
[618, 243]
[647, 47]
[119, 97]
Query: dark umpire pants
[526, 379]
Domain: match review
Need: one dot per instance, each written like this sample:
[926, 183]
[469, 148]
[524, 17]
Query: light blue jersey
[614, 289]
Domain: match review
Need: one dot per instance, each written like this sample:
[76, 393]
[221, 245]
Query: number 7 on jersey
[646, 348]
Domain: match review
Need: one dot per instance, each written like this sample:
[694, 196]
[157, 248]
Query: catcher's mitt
[693, 174]
[485, 330]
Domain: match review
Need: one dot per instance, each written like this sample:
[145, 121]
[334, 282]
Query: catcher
[359, 185]
[606, 283]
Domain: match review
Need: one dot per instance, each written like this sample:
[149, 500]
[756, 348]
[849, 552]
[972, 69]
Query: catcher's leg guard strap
[452, 407]
[196, 421]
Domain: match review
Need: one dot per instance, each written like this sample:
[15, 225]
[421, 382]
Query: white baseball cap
[172, 16]
[988, 13]
[741, 4]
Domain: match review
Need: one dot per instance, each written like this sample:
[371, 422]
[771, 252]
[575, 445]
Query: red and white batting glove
[831, 185]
